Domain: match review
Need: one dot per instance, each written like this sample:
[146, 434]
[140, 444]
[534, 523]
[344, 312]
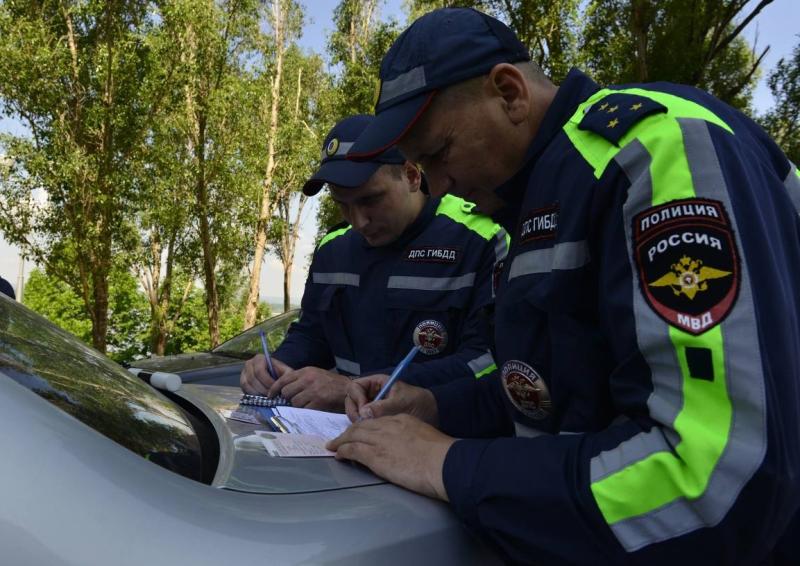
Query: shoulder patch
[612, 116]
[688, 263]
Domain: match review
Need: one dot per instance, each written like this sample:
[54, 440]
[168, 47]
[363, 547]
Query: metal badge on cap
[332, 147]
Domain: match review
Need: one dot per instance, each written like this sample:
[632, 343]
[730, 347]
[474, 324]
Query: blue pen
[396, 373]
[266, 354]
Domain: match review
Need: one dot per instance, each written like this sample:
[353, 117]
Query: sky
[776, 26]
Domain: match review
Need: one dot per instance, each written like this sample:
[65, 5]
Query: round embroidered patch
[431, 337]
[332, 147]
[526, 389]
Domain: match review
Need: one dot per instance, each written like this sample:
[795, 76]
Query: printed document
[316, 423]
[293, 445]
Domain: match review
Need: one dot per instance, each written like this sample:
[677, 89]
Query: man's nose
[358, 218]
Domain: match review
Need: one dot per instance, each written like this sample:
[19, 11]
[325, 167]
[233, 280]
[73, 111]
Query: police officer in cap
[404, 269]
[647, 316]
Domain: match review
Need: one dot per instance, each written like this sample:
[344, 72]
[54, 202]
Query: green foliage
[681, 41]
[128, 327]
[78, 75]
[783, 121]
[56, 301]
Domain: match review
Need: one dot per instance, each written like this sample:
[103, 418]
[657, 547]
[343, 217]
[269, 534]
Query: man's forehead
[374, 185]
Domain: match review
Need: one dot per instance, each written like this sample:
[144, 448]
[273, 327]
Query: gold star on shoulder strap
[613, 123]
[636, 106]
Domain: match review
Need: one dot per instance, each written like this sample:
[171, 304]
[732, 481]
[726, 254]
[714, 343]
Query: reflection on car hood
[185, 362]
[244, 463]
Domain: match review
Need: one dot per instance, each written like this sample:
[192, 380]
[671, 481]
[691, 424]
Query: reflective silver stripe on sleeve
[336, 278]
[431, 283]
[343, 148]
[747, 443]
[481, 363]
[402, 84]
[792, 184]
[566, 255]
[500, 245]
[347, 365]
[525, 431]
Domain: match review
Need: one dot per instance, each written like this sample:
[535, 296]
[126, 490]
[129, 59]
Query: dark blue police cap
[337, 170]
[441, 48]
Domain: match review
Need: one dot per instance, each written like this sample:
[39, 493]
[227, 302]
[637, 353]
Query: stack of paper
[308, 431]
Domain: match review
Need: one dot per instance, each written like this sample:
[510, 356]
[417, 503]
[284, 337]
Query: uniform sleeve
[686, 469]
[305, 343]
[473, 358]
[471, 408]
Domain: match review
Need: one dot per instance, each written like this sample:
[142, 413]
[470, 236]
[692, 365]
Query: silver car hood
[244, 464]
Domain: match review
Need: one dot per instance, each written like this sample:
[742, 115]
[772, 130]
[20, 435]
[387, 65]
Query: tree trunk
[287, 281]
[100, 318]
[251, 306]
[640, 23]
[209, 256]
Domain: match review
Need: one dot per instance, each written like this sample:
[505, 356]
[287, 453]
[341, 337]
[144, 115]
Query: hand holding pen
[258, 374]
[364, 399]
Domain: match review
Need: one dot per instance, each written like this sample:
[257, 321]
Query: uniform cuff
[458, 472]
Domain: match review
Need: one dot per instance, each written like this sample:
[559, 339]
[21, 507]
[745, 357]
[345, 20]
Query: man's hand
[401, 449]
[312, 388]
[255, 378]
[402, 398]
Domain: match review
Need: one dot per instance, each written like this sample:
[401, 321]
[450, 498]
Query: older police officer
[647, 320]
[404, 269]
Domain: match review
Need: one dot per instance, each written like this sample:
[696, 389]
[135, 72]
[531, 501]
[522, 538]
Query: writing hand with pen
[395, 436]
[255, 378]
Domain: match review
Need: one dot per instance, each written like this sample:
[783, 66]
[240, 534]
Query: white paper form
[293, 445]
[316, 423]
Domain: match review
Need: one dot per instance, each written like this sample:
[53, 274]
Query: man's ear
[412, 175]
[507, 81]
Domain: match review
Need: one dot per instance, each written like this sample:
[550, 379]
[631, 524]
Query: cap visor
[389, 127]
[342, 173]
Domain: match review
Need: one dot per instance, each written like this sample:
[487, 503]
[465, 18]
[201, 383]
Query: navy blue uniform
[648, 324]
[365, 307]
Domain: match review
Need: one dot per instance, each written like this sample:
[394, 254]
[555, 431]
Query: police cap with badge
[336, 169]
[442, 48]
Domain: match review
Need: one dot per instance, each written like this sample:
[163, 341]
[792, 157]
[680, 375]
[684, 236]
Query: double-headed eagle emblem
[689, 277]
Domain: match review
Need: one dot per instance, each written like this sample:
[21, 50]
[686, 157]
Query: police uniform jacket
[365, 307]
[648, 322]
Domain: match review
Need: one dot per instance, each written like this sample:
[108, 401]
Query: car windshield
[82, 382]
[248, 343]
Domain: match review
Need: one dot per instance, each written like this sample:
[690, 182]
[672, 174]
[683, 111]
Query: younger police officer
[406, 269]
[647, 315]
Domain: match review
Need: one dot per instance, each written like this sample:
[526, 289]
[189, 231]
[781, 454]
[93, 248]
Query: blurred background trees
[164, 143]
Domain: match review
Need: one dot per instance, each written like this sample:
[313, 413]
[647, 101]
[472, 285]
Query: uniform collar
[576, 88]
